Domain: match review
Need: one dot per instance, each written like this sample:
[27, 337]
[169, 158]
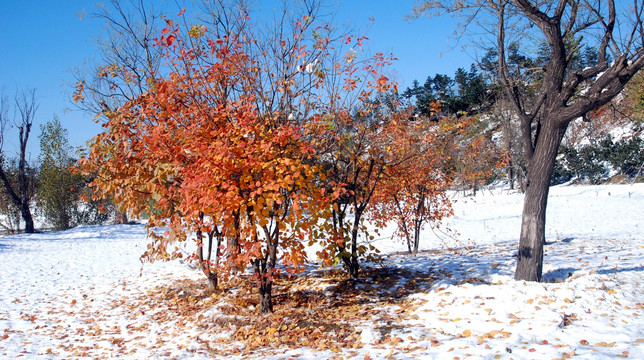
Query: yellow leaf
[611, 291]
[467, 333]
[605, 344]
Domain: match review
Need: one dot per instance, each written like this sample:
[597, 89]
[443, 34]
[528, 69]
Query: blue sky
[44, 40]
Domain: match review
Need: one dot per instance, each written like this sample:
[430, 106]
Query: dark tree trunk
[23, 183]
[420, 217]
[353, 264]
[264, 284]
[20, 198]
[340, 238]
[213, 278]
[410, 248]
[533, 223]
[120, 218]
[204, 261]
[265, 295]
[511, 174]
[265, 269]
[213, 281]
[232, 242]
[26, 216]
[416, 237]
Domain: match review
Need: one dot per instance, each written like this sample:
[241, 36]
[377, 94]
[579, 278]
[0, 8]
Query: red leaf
[170, 39]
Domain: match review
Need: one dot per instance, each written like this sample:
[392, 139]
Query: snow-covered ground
[84, 293]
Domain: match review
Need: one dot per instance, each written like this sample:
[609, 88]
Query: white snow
[70, 294]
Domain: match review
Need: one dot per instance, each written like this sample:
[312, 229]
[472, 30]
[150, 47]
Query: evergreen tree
[466, 93]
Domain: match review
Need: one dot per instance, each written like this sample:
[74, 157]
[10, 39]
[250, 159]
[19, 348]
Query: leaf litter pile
[65, 298]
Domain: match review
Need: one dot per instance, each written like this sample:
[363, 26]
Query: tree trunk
[26, 216]
[265, 285]
[265, 269]
[354, 266]
[410, 248]
[232, 243]
[213, 280]
[23, 183]
[205, 262]
[511, 173]
[265, 295]
[20, 200]
[120, 218]
[416, 237]
[340, 239]
[533, 221]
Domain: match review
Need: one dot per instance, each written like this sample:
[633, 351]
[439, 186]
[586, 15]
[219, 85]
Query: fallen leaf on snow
[605, 344]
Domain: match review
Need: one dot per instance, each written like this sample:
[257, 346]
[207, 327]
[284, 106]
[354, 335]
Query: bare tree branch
[25, 106]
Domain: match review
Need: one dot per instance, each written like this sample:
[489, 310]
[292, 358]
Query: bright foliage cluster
[208, 157]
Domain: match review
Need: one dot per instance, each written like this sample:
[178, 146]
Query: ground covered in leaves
[83, 294]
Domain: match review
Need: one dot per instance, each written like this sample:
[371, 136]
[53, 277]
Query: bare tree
[291, 46]
[563, 93]
[128, 59]
[19, 194]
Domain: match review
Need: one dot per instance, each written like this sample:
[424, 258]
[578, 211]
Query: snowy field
[83, 293]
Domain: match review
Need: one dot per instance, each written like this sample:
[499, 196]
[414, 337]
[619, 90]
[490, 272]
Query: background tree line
[589, 153]
[48, 188]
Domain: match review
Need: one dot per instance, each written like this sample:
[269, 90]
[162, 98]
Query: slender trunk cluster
[208, 265]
